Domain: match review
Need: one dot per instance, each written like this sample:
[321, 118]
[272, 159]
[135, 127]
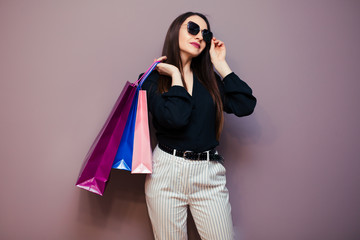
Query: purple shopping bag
[97, 165]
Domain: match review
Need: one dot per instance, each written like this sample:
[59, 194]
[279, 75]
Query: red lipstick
[195, 44]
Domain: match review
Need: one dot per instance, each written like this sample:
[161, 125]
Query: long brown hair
[201, 66]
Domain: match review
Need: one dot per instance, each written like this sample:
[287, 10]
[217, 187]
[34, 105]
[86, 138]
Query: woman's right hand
[165, 68]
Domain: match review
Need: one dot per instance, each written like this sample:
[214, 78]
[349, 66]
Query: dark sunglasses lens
[193, 28]
[207, 35]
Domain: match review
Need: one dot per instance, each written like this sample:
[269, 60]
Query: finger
[219, 41]
[162, 58]
[212, 45]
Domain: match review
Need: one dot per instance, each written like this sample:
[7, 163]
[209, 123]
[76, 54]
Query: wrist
[222, 68]
[176, 79]
[176, 74]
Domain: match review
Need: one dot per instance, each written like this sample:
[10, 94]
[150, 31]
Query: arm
[171, 109]
[236, 95]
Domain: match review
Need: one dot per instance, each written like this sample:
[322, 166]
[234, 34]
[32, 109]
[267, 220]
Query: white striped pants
[176, 184]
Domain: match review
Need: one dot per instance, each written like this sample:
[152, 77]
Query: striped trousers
[176, 184]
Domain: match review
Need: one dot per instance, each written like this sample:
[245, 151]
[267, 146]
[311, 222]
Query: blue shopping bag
[123, 158]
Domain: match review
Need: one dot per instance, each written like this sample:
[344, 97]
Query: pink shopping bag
[142, 154]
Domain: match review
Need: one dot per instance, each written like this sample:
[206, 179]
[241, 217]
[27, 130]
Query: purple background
[293, 166]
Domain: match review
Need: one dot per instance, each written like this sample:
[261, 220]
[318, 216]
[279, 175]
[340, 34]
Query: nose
[199, 36]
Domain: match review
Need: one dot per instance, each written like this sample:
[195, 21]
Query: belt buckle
[184, 155]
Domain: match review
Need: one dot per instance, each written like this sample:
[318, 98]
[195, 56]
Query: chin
[196, 53]
[191, 53]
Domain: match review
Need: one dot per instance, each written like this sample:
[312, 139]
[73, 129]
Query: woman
[186, 99]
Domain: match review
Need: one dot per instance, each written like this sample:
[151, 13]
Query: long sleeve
[171, 109]
[236, 95]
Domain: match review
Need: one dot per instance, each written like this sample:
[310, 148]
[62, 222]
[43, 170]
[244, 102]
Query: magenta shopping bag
[97, 165]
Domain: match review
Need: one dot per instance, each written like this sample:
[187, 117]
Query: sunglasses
[194, 29]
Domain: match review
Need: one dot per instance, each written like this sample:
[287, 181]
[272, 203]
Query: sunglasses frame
[194, 29]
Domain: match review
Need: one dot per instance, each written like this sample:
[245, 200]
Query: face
[192, 45]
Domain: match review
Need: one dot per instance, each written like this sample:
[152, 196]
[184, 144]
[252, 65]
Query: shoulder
[151, 80]
[153, 74]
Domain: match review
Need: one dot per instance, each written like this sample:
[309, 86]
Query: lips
[195, 44]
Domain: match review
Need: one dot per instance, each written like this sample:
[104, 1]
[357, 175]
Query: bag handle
[141, 80]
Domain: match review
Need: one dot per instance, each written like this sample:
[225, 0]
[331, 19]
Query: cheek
[182, 40]
[181, 44]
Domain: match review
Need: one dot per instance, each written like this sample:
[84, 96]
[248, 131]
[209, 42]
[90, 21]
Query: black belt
[213, 156]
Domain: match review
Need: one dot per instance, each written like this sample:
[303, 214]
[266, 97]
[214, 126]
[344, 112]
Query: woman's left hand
[217, 51]
[217, 55]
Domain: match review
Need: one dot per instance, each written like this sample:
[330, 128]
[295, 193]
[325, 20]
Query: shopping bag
[96, 168]
[97, 165]
[123, 157]
[142, 154]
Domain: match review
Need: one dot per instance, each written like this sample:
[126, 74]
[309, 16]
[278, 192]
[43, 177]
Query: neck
[186, 63]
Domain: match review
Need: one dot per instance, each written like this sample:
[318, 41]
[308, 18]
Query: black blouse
[187, 122]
